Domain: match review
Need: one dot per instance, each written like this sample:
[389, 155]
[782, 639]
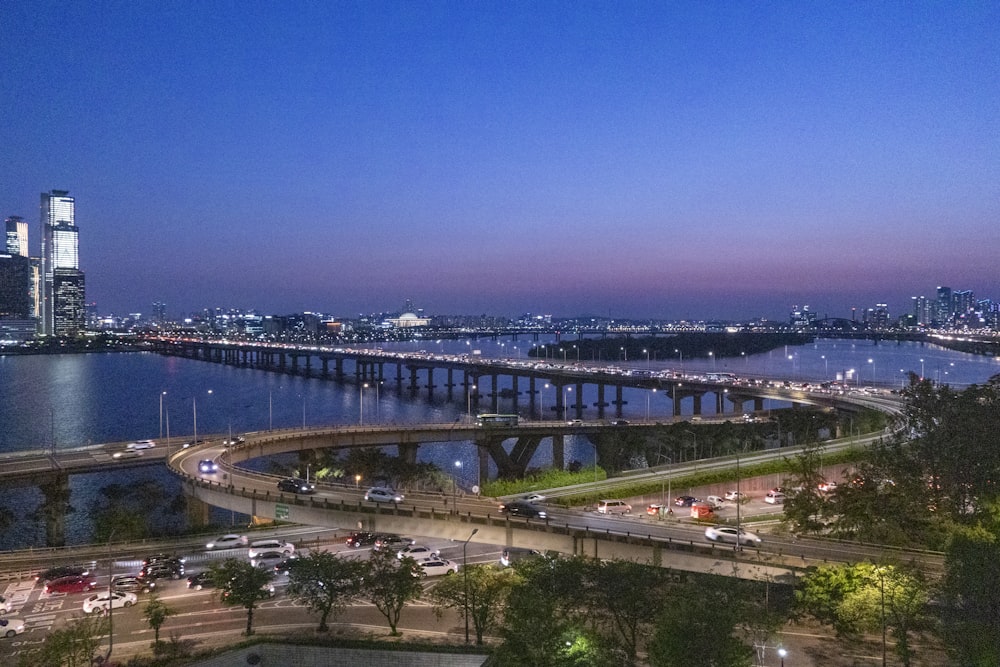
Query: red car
[72, 584]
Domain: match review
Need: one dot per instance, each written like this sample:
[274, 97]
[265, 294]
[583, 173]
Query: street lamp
[781, 654]
[468, 394]
[712, 355]
[357, 481]
[647, 357]
[454, 486]
[826, 365]
[872, 362]
[361, 404]
[162, 394]
[681, 354]
[647, 404]
[566, 391]
[624, 353]
[541, 403]
[465, 577]
[921, 369]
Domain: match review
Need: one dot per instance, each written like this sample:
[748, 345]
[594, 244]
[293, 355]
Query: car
[267, 559]
[575, 422]
[731, 535]
[774, 498]
[391, 541]
[141, 444]
[260, 546]
[164, 569]
[296, 485]
[170, 559]
[208, 466]
[416, 551]
[4, 605]
[434, 566]
[201, 580]
[522, 508]
[827, 487]
[685, 501]
[360, 539]
[131, 583]
[656, 509]
[715, 502]
[735, 496]
[511, 555]
[381, 494]
[99, 603]
[127, 454]
[11, 626]
[286, 565]
[613, 507]
[235, 440]
[620, 422]
[228, 541]
[60, 571]
[532, 498]
[266, 590]
[72, 584]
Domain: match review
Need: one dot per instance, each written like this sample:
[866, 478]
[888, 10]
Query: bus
[496, 421]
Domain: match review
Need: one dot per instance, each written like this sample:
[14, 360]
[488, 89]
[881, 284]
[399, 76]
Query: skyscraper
[17, 236]
[62, 290]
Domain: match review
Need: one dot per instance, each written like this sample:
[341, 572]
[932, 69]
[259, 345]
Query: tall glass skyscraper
[63, 295]
[17, 236]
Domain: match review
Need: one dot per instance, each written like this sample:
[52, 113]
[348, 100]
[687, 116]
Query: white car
[11, 626]
[731, 535]
[533, 498]
[99, 603]
[141, 444]
[4, 605]
[262, 546]
[734, 495]
[127, 454]
[416, 551]
[230, 541]
[434, 566]
[379, 494]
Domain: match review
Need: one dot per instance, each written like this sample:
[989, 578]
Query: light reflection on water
[73, 400]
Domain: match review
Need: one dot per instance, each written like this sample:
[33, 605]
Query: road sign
[280, 511]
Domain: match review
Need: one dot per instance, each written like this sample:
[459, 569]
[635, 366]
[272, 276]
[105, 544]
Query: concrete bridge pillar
[579, 401]
[326, 367]
[484, 465]
[408, 452]
[513, 386]
[495, 392]
[430, 382]
[535, 412]
[413, 379]
[339, 368]
[450, 382]
[619, 401]
[696, 410]
[758, 404]
[559, 451]
[560, 408]
[601, 403]
[197, 511]
[55, 506]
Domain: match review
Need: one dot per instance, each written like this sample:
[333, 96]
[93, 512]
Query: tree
[390, 582]
[326, 583]
[971, 594]
[488, 588]
[805, 506]
[866, 598]
[75, 645]
[629, 596]
[697, 628]
[156, 613]
[240, 583]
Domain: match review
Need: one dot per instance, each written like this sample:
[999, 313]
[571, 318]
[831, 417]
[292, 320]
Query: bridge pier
[601, 403]
[197, 512]
[559, 451]
[408, 452]
[430, 382]
[484, 464]
[55, 506]
[619, 400]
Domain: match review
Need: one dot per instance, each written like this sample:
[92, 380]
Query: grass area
[545, 479]
[551, 479]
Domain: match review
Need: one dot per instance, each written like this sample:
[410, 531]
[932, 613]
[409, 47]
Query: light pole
[162, 394]
[647, 403]
[872, 362]
[624, 353]
[826, 365]
[681, 354]
[712, 355]
[921, 369]
[454, 486]
[468, 392]
[361, 404]
[781, 654]
[566, 391]
[541, 403]
[465, 577]
[647, 357]
[270, 413]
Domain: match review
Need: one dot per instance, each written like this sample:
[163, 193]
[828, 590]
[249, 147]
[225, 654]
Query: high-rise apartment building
[17, 236]
[62, 288]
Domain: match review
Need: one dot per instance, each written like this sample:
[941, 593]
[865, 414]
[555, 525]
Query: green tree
[971, 594]
[698, 627]
[389, 583]
[74, 645]
[242, 584]
[488, 588]
[628, 596]
[326, 583]
[156, 612]
[805, 505]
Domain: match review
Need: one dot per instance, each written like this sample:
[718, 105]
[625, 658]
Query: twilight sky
[632, 159]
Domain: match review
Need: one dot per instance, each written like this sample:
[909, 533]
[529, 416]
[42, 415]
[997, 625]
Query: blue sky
[683, 159]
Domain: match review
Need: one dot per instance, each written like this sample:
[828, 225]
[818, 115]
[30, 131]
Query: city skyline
[629, 161]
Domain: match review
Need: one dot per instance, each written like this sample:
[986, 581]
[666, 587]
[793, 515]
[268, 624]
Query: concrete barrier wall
[280, 655]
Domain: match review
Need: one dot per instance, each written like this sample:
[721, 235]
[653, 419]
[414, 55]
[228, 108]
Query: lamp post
[647, 404]
[921, 369]
[361, 404]
[624, 353]
[162, 394]
[566, 391]
[647, 357]
[454, 486]
[712, 355]
[781, 654]
[681, 354]
[541, 402]
[465, 578]
[872, 362]
[468, 392]
[826, 365]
